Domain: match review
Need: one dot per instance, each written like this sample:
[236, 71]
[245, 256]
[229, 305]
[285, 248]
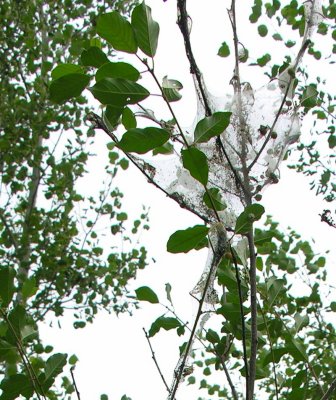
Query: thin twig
[254, 327]
[29, 368]
[277, 392]
[74, 382]
[141, 165]
[332, 388]
[155, 361]
[182, 23]
[234, 259]
[193, 331]
[268, 137]
[151, 71]
[219, 356]
[228, 377]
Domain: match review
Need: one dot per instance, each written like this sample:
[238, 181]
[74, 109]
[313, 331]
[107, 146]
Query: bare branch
[74, 382]
[179, 374]
[155, 361]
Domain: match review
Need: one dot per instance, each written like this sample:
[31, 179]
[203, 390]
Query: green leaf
[274, 289]
[15, 385]
[300, 321]
[54, 365]
[117, 31]
[224, 50]
[7, 288]
[245, 220]
[73, 359]
[68, 86]
[185, 240]
[118, 92]
[144, 293]
[17, 319]
[256, 11]
[309, 96]
[167, 148]
[231, 311]
[168, 292]
[93, 57]
[262, 30]
[196, 163]
[128, 119]
[166, 323]
[213, 198]
[212, 336]
[146, 30]
[65, 69]
[171, 89]
[117, 70]
[262, 61]
[212, 126]
[122, 216]
[112, 116]
[6, 350]
[332, 141]
[277, 37]
[28, 288]
[275, 355]
[297, 350]
[143, 140]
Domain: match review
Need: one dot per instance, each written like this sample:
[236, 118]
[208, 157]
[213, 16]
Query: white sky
[114, 357]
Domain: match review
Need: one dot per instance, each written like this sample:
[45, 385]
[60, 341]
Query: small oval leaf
[245, 220]
[185, 240]
[68, 86]
[212, 126]
[142, 140]
[117, 31]
[224, 50]
[196, 163]
[93, 57]
[118, 92]
[117, 70]
[171, 89]
[144, 293]
[146, 29]
[212, 198]
[165, 323]
[7, 288]
[65, 69]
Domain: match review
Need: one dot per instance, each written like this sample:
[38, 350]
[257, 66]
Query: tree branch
[182, 23]
[216, 260]
[142, 166]
[254, 327]
[332, 388]
[155, 361]
[241, 316]
[74, 382]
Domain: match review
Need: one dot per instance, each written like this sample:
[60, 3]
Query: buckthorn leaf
[185, 240]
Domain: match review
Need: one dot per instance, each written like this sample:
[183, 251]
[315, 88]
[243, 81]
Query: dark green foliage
[49, 253]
